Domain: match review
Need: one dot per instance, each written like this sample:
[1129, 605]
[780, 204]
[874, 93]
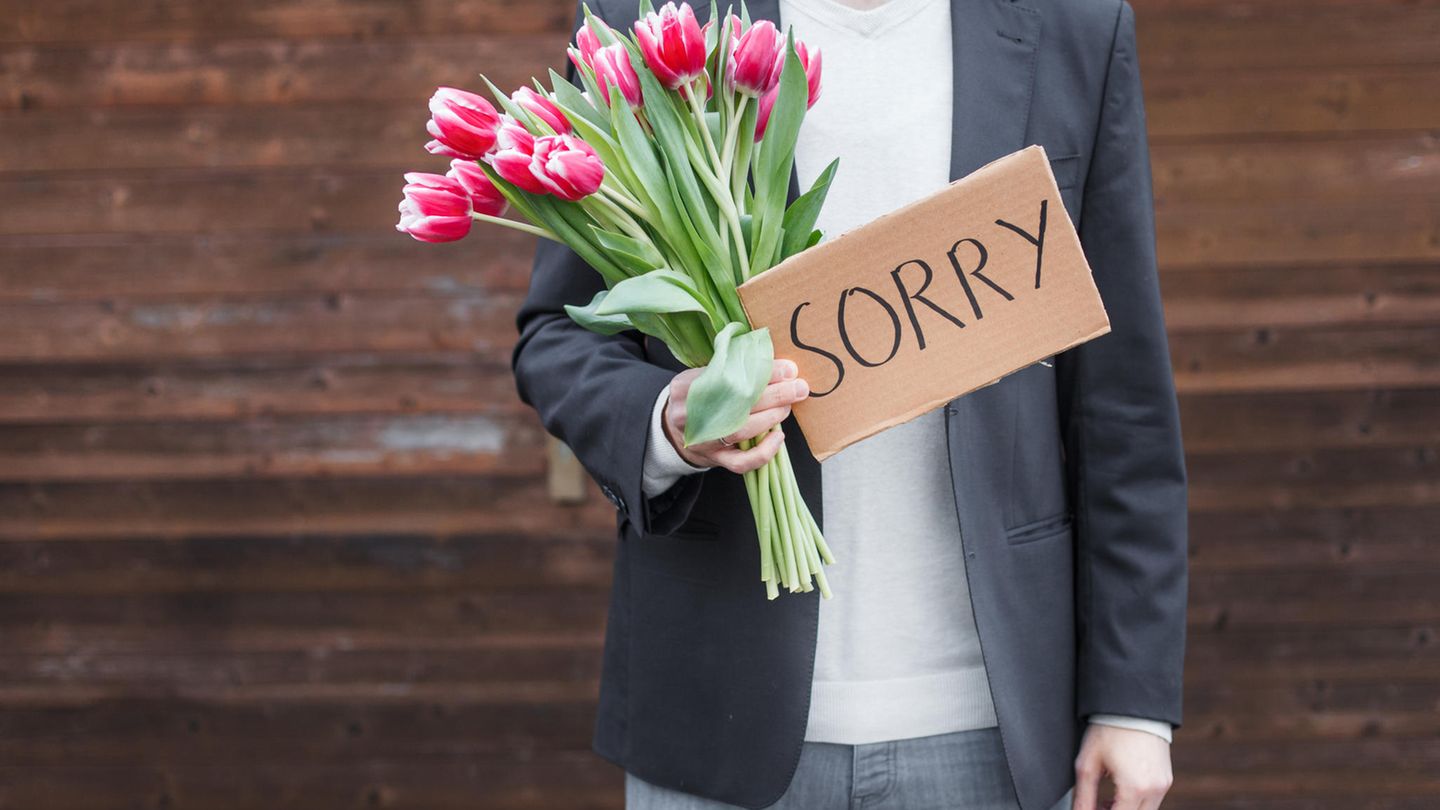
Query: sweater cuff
[663, 465]
[1159, 728]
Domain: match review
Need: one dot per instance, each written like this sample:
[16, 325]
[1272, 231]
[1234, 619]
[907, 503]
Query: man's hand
[1137, 762]
[785, 389]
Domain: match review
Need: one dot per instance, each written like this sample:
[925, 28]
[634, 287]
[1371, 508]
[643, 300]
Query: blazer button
[612, 497]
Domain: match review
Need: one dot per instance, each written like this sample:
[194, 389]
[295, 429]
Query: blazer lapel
[993, 49]
[995, 43]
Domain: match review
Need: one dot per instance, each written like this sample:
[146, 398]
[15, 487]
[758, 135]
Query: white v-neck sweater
[897, 655]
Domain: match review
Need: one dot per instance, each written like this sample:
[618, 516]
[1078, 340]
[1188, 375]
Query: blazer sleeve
[1121, 426]
[593, 392]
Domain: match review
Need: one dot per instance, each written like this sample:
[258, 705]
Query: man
[1010, 609]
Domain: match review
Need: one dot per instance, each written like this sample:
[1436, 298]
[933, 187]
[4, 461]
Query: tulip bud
[673, 44]
[435, 209]
[811, 64]
[542, 108]
[753, 68]
[586, 44]
[567, 166]
[735, 25]
[612, 68]
[485, 198]
[514, 152]
[462, 124]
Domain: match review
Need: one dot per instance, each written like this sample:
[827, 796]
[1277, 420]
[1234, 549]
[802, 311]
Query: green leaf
[640, 257]
[777, 155]
[639, 151]
[510, 107]
[800, 217]
[588, 317]
[574, 104]
[661, 291]
[720, 399]
[713, 31]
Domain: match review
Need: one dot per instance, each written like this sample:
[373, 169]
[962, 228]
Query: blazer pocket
[1066, 169]
[693, 554]
[1042, 529]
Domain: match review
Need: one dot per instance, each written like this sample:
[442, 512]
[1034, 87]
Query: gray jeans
[963, 770]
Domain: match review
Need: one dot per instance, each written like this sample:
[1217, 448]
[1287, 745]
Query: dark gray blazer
[1069, 481]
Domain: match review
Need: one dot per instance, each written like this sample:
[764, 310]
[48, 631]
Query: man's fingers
[742, 461]
[785, 392]
[759, 422]
[780, 371]
[784, 370]
[1087, 784]
[680, 385]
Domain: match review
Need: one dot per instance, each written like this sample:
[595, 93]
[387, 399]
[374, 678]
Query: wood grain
[277, 531]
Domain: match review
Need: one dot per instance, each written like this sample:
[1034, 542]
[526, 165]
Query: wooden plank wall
[273, 524]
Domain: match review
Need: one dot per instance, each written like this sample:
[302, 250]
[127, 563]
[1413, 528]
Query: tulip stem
[693, 99]
[619, 216]
[620, 195]
[524, 227]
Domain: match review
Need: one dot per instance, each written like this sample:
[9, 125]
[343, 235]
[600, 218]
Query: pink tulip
[672, 44]
[811, 63]
[587, 40]
[812, 80]
[514, 152]
[542, 108]
[462, 124]
[485, 198]
[753, 66]
[567, 166]
[586, 44]
[435, 209]
[562, 165]
[612, 67]
[512, 134]
[735, 26]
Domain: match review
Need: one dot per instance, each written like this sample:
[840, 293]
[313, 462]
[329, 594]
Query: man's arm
[1126, 464]
[1122, 430]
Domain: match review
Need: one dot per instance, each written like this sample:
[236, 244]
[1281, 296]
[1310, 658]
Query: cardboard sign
[929, 302]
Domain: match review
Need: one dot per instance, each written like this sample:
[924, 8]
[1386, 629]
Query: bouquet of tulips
[667, 170]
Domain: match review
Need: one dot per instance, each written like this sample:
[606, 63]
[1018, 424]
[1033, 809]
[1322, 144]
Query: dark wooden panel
[1385, 537]
[1286, 101]
[310, 325]
[1247, 422]
[273, 523]
[1324, 296]
[398, 563]
[1355, 477]
[234, 388]
[188, 20]
[484, 444]
[1238, 35]
[1266, 359]
[104, 267]
[1287, 654]
[284, 506]
[267, 71]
